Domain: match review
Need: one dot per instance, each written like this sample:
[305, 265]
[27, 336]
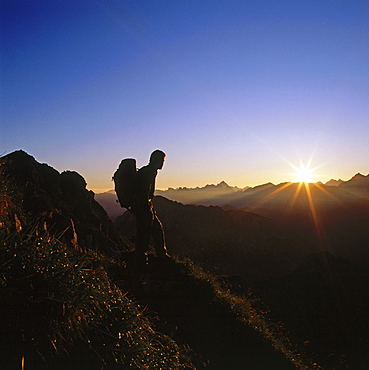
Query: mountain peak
[223, 184]
[333, 182]
[358, 176]
[19, 156]
[357, 181]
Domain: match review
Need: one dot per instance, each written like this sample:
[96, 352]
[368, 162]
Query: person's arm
[152, 187]
[145, 185]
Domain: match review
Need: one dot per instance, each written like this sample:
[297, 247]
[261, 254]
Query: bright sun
[303, 174]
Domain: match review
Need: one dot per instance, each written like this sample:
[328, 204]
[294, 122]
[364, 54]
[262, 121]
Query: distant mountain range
[200, 195]
[211, 194]
[222, 194]
[197, 195]
[331, 217]
[333, 182]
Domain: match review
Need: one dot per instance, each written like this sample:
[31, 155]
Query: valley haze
[210, 194]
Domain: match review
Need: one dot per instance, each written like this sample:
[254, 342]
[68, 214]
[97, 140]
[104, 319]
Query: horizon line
[106, 190]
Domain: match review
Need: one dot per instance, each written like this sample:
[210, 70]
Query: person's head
[157, 159]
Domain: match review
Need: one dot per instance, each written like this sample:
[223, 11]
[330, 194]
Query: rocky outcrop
[57, 202]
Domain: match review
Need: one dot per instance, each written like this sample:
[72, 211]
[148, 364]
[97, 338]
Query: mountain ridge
[60, 199]
[220, 194]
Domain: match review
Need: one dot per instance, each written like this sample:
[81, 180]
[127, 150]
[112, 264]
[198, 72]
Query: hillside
[109, 201]
[37, 192]
[232, 242]
[332, 218]
[324, 303]
[321, 297]
[70, 298]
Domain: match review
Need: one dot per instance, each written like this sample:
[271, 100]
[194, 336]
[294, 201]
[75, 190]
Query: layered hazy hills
[334, 218]
[223, 194]
[232, 242]
[200, 195]
[331, 218]
[333, 182]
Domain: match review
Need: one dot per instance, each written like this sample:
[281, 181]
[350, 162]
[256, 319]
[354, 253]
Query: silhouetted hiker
[148, 223]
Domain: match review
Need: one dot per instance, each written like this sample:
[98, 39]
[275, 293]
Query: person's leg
[144, 221]
[158, 237]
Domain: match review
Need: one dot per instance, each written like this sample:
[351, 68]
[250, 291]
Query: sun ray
[319, 229]
[266, 197]
[295, 196]
[274, 192]
[323, 190]
[304, 189]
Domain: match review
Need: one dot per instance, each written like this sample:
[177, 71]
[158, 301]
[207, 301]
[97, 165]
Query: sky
[240, 91]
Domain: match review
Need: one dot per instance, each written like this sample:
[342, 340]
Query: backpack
[124, 182]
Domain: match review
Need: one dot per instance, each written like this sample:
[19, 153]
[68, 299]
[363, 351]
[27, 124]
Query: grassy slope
[229, 331]
[59, 310]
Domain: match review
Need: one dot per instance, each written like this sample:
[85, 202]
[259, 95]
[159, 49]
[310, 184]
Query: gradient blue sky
[230, 90]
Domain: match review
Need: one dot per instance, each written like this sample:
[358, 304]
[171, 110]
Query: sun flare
[303, 174]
